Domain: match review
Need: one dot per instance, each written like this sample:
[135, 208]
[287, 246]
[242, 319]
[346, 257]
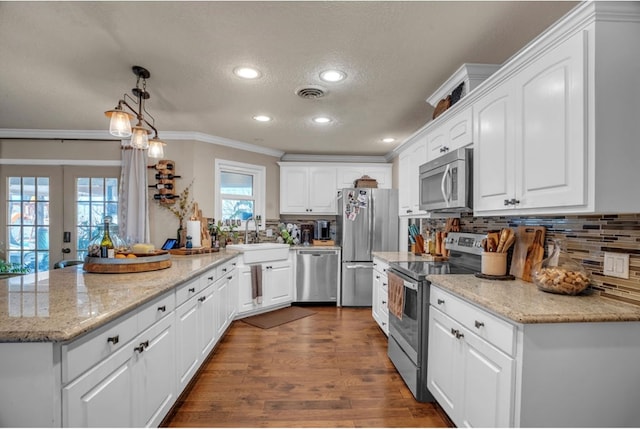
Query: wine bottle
[165, 196]
[106, 245]
[162, 186]
[162, 166]
[166, 176]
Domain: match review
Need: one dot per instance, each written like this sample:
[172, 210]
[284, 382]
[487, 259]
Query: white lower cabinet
[130, 372]
[485, 371]
[277, 286]
[470, 379]
[380, 293]
[131, 388]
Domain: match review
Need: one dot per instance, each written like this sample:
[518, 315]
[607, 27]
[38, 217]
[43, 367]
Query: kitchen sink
[261, 252]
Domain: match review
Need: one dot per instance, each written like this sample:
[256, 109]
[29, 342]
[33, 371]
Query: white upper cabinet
[311, 187]
[349, 173]
[307, 190]
[454, 133]
[410, 161]
[555, 130]
[530, 150]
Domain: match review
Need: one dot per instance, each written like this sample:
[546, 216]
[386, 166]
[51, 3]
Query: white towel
[256, 283]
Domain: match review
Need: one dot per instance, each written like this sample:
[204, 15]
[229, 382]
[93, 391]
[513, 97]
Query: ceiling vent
[311, 92]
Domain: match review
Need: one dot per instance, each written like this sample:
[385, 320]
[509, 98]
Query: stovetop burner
[420, 269]
[464, 258]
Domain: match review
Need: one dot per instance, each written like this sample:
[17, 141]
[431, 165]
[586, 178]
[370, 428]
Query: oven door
[406, 331]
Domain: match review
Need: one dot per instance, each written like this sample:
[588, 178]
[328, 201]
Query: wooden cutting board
[525, 237]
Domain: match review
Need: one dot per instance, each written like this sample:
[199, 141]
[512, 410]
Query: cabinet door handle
[384, 302]
[456, 333]
[142, 347]
[115, 339]
[512, 201]
[192, 289]
[479, 324]
[162, 308]
[210, 278]
[440, 301]
[409, 211]
[268, 267]
[224, 270]
[384, 284]
[230, 277]
[377, 277]
[202, 299]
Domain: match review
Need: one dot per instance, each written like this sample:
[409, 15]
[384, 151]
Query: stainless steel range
[409, 323]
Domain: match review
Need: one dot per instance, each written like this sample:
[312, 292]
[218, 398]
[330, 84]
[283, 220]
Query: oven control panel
[465, 242]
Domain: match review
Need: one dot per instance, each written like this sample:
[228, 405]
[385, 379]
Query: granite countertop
[401, 257]
[523, 302]
[60, 305]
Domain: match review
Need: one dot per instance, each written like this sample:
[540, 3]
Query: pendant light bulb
[120, 124]
[140, 137]
[156, 148]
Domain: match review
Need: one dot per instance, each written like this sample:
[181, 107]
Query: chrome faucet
[246, 230]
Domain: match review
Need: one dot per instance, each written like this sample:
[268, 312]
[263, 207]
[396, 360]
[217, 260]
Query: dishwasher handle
[318, 252]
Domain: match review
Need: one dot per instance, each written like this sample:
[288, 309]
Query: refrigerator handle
[372, 225]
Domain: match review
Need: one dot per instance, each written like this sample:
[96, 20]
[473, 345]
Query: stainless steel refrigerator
[367, 222]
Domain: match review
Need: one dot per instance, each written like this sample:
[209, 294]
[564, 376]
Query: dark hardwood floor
[327, 370]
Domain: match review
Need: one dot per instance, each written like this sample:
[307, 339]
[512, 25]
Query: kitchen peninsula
[109, 349]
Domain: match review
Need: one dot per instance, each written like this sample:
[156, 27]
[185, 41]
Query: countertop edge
[75, 332]
[602, 308]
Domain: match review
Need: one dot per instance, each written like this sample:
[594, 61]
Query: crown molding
[293, 157]
[14, 133]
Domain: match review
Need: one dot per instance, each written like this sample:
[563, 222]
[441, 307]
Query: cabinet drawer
[487, 326]
[156, 310]
[226, 269]
[187, 290]
[84, 353]
[380, 266]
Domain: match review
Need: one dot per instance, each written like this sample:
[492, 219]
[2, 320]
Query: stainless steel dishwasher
[317, 275]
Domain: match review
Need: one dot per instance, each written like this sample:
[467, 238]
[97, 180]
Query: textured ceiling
[64, 63]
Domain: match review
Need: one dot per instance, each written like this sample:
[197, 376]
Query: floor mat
[278, 317]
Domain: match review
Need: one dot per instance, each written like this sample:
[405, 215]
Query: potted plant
[10, 269]
[182, 207]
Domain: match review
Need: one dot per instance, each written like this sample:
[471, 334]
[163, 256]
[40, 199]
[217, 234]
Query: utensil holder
[494, 263]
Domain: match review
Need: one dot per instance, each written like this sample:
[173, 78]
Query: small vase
[559, 273]
[182, 236]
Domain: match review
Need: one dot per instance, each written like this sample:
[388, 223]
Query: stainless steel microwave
[446, 183]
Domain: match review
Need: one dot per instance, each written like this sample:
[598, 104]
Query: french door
[51, 213]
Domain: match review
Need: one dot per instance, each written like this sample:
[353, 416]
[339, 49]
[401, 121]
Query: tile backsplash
[585, 237]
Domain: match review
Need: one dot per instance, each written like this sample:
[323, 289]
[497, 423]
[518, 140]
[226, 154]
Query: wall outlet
[616, 265]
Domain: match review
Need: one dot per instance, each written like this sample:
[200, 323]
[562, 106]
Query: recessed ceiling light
[247, 72]
[321, 120]
[262, 118]
[388, 140]
[332, 75]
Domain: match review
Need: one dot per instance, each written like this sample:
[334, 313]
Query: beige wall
[194, 161]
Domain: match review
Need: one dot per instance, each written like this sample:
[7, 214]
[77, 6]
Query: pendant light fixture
[120, 125]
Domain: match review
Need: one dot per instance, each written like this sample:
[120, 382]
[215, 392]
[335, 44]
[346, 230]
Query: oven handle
[409, 284]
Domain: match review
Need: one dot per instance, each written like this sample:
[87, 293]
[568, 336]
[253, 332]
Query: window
[240, 191]
[96, 197]
[28, 226]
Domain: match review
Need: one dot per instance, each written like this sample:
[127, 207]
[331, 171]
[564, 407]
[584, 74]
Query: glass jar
[119, 245]
[559, 273]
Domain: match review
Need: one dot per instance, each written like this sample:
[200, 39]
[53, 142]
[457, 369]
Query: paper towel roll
[193, 229]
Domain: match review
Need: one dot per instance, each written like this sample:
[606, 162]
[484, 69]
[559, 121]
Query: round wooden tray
[144, 262]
